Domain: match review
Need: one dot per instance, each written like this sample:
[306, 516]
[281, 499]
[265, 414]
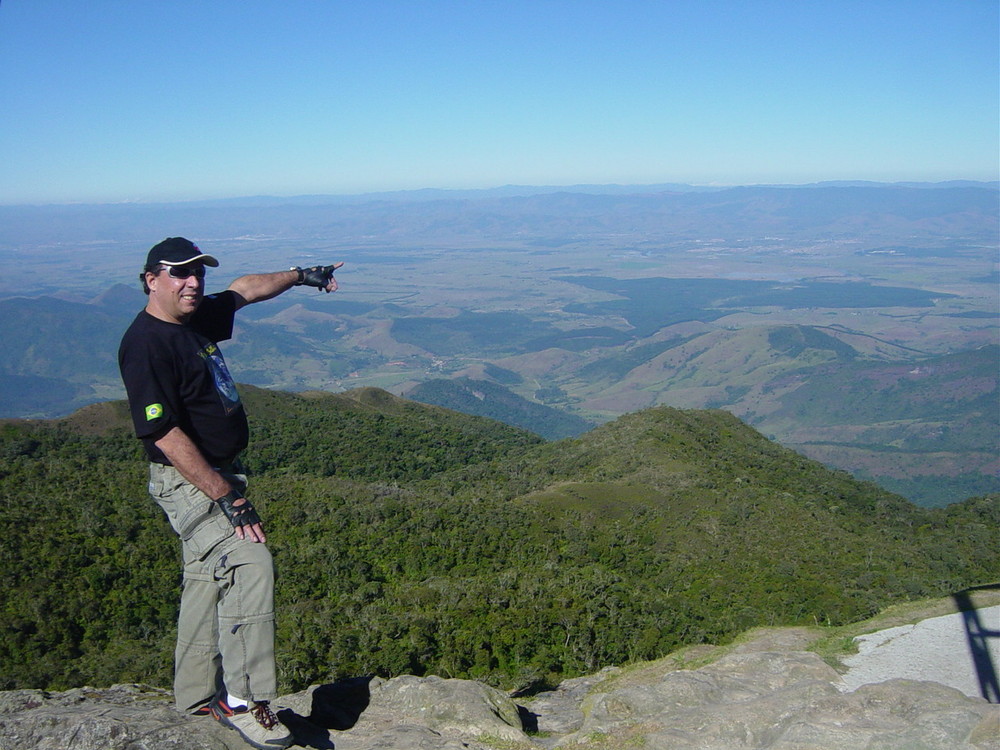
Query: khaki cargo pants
[225, 631]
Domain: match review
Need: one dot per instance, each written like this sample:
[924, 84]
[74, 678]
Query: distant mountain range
[509, 191]
[667, 211]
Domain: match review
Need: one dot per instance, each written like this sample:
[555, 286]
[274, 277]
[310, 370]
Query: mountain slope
[924, 426]
[486, 399]
[413, 539]
[58, 354]
[724, 366]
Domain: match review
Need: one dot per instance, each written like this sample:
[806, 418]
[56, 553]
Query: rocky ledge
[766, 693]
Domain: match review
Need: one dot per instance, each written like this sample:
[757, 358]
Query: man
[188, 414]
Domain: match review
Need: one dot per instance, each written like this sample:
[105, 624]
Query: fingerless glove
[317, 276]
[243, 515]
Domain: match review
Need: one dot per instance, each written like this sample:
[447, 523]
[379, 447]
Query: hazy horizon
[518, 189]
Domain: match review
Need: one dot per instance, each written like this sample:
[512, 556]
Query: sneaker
[256, 723]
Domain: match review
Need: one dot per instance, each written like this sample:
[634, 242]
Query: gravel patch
[939, 649]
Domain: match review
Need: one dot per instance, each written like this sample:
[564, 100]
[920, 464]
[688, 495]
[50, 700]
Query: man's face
[176, 291]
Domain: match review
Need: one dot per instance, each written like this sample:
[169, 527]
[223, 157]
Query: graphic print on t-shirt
[223, 380]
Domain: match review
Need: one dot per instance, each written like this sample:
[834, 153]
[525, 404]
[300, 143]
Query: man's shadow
[978, 636]
[336, 706]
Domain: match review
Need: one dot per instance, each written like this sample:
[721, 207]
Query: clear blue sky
[116, 100]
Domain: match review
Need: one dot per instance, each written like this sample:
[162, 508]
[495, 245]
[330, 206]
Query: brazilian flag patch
[154, 411]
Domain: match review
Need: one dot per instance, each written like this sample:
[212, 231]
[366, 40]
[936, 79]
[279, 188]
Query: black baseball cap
[177, 251]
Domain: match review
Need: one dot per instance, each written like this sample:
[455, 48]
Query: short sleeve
[214, 318]
[151, 387]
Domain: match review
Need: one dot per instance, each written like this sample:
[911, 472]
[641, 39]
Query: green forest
[412, 539]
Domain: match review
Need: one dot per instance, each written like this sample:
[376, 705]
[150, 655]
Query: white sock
[235, 702]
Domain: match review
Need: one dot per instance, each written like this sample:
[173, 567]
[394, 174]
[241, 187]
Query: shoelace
[264, 715]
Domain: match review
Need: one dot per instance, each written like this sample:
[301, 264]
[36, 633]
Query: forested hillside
[409, 538]
[484, 398]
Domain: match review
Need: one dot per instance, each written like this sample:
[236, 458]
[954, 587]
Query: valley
[856, 324]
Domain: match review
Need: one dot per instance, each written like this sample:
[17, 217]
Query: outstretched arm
[257, 287]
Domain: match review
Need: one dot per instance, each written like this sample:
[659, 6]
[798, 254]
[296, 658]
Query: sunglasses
[183, 272]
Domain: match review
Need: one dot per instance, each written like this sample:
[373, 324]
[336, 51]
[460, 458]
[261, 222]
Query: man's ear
[147, 277]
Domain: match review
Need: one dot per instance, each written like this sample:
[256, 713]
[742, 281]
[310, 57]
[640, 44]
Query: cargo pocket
[207, 535]
[187, 508]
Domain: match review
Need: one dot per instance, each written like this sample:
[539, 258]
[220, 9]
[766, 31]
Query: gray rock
[405, 712]
[896, 714]
[460, 707]
[124, 717]
[558, 711]
[753, 700]
[766, 693]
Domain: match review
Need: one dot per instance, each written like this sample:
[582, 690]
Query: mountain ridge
[877, 210]
[464, 547]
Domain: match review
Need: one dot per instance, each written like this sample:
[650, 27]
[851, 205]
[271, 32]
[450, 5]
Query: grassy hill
[410, 538]
[924, 426]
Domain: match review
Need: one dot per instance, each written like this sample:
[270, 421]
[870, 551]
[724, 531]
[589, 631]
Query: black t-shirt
[175, 376]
